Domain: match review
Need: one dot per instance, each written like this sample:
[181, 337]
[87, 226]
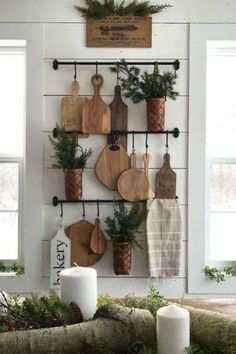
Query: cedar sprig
[16, 267]
[139, 86]
[67, 152]
[98, 9]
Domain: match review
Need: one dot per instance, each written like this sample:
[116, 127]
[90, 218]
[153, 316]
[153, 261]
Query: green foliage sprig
[98, 9]
[218, 275]
[67, 152]
[35, 312]
[16, 267]
[139, 87]
[125, 223]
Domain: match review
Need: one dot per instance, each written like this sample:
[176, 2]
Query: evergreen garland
[98, 9]
[124, 225]
[218, 275]
[16, 267]
[68, 153]
[139, 86]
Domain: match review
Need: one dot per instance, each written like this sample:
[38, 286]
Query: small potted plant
[154, 88]
[72, 158]
[122, 229]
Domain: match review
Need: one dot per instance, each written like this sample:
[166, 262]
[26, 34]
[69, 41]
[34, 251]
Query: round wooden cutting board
[80, 236]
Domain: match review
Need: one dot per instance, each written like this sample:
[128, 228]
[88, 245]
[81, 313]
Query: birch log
[114, 327]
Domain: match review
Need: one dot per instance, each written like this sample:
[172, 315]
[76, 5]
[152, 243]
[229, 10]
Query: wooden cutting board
[166, 180]
[71, 109]
[110, 164]
[133, 183]
[146, 160]
[98, 242]
[96, 114]
[80, 236]
[119, 117]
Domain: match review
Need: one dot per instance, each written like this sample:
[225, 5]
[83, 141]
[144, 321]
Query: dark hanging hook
[133, 148]
[98, 211]
[75, 73]
[155, 66]
[167, 141]
[83, 203]
[146, 142]
[61, 209]
[117, 73]
[96, 68]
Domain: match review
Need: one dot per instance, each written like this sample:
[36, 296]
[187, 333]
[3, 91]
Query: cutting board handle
[75, 89]
[117, 91]
[97, 82]
[167, 159]
[133, 160]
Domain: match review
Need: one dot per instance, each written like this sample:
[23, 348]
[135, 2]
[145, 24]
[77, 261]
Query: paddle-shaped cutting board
[96, 114]
[119, 117]
[133, 184]
[60, 256]
[146, 160]
[111, 163]
[166, 180]
[72, 108]
[80, 235]
[98, 242]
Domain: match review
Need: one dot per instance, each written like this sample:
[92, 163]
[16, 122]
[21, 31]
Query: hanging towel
[164, 228]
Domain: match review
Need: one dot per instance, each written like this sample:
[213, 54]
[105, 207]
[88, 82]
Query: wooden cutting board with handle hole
[111, 163]
[166, 180]
[146, 160]
[119, 117]
[98, 242]
[133, 183]
[96, 114]
[80, 235]
[72, 108]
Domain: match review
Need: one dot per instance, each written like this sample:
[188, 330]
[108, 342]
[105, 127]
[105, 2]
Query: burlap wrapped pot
[122, 258]
[156, 114]
[73, 183]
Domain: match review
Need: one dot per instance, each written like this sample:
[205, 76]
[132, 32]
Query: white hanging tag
[60, 255]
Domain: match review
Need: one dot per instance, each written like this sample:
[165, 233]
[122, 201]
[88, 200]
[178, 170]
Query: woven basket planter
[122, 258]
[73, 183]
[156, 114]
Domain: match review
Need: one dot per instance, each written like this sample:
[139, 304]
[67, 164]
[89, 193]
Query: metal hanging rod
[57, 63]
[56, 201]
[175, 132]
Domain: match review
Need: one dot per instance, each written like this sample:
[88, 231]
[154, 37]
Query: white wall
[64, 37]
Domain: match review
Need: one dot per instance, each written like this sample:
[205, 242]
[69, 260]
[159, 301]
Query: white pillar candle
[79, 284]
[173, 330]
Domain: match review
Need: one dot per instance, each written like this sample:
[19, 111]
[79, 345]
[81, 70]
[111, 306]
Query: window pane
[8, 186]
[223, 236]
[8, 235]
[223, 187]
[12, 95]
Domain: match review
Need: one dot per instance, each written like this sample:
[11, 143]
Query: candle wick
[76, 264]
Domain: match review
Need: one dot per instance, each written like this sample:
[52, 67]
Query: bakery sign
[114, 31]
[60, 257]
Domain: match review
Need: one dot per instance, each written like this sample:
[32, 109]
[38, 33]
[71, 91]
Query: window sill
[8, 274]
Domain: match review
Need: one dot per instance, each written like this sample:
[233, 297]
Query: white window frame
[197, 197]
[30, 244]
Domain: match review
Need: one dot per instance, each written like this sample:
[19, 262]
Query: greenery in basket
[67, 152]
[218, 275]
[16, 267]
[98, 9]
[125, 223]
[35, 312]
[141, 86]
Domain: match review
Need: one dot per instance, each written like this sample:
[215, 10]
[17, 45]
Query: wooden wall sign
[60, 256]
[114, 31]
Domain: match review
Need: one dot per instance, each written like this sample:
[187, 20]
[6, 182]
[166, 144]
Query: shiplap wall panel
[201, 11]
[156, 143]
[68, 41]
[93, 188]
[73, 213]
[104, 267]
[176, 113]
[58, 82]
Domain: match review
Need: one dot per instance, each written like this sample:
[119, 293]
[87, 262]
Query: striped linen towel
[164, 228]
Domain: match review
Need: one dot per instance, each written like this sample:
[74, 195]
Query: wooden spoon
[98, 242]
[146, 159]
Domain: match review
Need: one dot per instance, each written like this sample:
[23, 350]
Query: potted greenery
[154, 88]
[110, 23]
[122, 229]
[72, 158]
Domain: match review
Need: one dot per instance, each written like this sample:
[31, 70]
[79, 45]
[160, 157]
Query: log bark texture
[114, 327]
